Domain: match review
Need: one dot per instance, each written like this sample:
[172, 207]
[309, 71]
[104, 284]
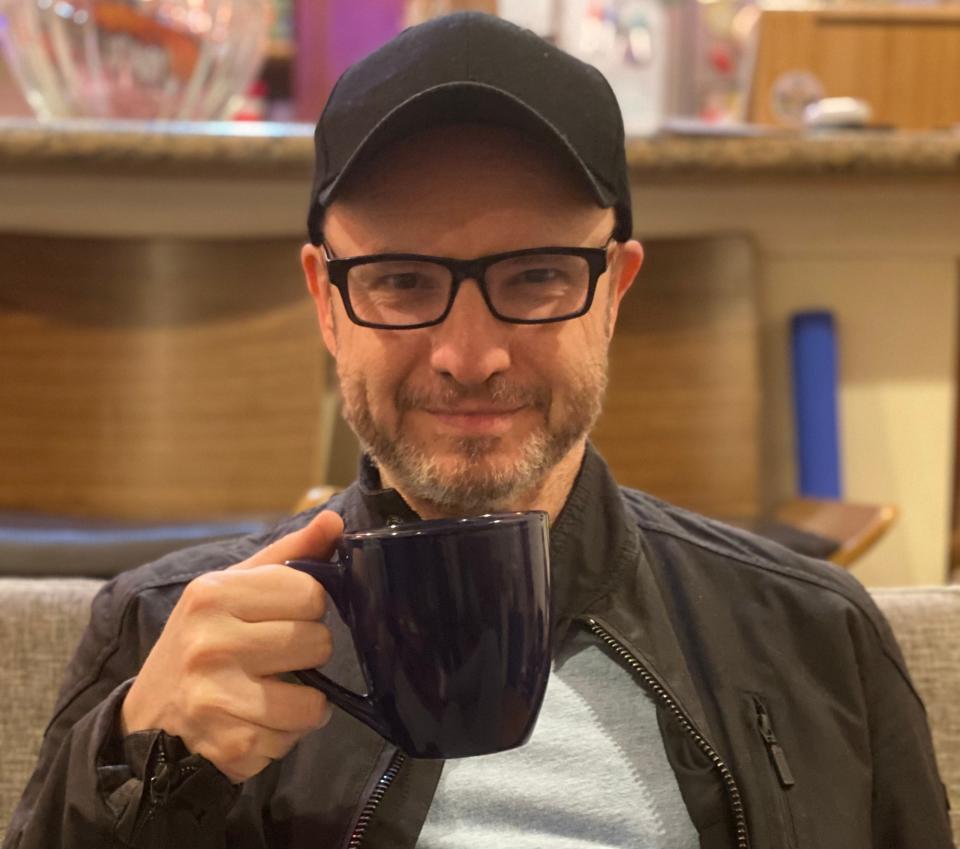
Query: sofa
[41, 620]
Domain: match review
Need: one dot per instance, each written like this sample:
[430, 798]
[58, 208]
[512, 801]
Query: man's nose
[471, 344]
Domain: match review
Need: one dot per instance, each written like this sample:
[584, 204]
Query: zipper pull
[777, 754]
[162, 782]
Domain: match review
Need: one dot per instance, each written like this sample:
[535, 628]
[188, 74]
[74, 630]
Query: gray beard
[473, 485]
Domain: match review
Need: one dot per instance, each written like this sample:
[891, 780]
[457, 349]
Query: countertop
[286, 151]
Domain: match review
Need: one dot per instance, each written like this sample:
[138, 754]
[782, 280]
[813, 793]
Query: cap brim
[461, 103]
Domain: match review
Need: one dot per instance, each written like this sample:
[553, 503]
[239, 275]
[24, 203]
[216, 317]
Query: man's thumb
[316, 540]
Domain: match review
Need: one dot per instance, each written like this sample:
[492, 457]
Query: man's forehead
[350, 235]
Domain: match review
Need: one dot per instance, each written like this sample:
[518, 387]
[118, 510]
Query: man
[470, 248]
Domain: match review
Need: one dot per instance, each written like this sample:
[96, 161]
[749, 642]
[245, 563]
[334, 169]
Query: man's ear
[315, 273]
[623, 272]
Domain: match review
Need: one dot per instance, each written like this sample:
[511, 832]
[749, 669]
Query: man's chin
[468, 475]
[471, 449]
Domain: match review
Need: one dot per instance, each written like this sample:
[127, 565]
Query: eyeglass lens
[407, 292]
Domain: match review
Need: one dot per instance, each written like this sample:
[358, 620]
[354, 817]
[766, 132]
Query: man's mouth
[485, 421]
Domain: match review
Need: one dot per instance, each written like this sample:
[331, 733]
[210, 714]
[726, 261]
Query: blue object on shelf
[815, 375]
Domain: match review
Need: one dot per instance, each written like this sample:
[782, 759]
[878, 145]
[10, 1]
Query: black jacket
[785, 706]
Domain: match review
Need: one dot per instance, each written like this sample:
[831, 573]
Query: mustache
[496, 392]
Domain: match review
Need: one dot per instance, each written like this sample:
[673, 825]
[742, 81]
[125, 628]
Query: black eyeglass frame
[460, 270]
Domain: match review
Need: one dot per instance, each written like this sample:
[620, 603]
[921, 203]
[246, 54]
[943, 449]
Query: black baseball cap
[471, 67]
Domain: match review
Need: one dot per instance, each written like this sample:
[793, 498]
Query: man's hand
[211, 678]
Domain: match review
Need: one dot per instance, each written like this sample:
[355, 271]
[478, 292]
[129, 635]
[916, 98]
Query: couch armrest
[926, 622]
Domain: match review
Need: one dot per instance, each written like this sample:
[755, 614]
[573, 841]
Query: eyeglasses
[407, 291]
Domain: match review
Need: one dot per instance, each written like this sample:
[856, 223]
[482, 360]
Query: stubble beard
[468, 478]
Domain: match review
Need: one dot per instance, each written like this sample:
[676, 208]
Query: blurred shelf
[189, 149]
[847, 154]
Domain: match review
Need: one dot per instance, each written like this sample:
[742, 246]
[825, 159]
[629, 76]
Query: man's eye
[538, 275]
[402, 282]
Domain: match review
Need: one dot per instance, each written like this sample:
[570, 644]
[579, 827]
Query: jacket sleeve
[910, 805]
[91, 788]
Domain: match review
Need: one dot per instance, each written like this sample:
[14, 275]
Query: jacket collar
[382, 505]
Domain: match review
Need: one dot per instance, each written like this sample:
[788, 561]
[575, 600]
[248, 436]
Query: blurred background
[788, 361]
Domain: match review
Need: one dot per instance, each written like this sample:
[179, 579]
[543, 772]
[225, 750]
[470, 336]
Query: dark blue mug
[451, 623]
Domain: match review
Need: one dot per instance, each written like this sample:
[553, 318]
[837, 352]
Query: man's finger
[284, 708]
[260, 594]
[274, 647]
[316, 541]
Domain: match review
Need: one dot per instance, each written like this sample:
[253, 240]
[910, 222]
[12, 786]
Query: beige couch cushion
[41, 620]
[926, 621]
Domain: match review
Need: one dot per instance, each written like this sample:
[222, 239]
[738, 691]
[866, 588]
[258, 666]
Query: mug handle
[331, 575]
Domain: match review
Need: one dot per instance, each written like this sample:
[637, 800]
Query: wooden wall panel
[156, 379]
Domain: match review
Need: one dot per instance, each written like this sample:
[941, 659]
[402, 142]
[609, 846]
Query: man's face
[473, 414]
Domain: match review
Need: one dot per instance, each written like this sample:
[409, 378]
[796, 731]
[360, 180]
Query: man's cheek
[382, 402]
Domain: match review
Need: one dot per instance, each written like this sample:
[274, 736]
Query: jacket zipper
[165, 774]
[777, 754]
[375, 798]
[654, 686]
[778, 759]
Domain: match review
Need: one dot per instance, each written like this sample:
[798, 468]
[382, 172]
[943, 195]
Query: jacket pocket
[780, 780]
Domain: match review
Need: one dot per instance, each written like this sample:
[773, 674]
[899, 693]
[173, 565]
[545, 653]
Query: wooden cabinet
[905, 62]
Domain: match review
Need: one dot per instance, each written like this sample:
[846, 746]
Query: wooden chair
[155, 392]
[855, 528]
[157, 379]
